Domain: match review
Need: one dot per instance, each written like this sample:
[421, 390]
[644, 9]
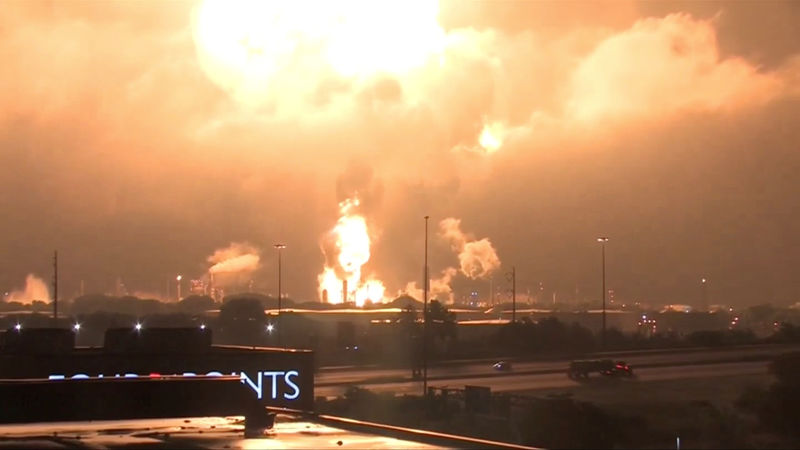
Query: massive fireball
[351, 241]
[244, 44]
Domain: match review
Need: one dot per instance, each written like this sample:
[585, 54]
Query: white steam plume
[439, 287]
[236, 258]
[477, 258]
[35, 289]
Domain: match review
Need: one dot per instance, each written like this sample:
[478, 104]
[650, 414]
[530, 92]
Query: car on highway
[502, 366]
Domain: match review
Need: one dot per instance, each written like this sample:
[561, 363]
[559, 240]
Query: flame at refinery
[346, 250]
[35, 289]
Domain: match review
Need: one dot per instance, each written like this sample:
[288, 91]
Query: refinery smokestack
[344, 291]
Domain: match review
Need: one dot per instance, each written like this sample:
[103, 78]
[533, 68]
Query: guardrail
[411, 434]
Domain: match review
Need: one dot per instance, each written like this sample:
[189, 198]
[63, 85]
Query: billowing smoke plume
[236, 258]
[477, 258]
[439, 287]
[35, 289]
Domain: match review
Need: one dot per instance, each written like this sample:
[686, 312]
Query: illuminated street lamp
[76, 327]
[279, 247]
[425, 317]
[602, 240]
[705, 293]
[178, 281]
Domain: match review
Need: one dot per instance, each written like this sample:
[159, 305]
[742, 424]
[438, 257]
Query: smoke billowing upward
[236, 258]
[670, 126]
[477, 258]
[439, 287]
[35, 289]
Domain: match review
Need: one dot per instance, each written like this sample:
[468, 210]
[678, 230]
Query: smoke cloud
[439, 287]
[477, 258]
[668, 126]
[236, 258]
[683, 70]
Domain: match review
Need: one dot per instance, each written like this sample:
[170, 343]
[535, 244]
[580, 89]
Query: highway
[513, 382]
[648, 366]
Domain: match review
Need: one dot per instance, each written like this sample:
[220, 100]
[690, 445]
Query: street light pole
[512, 277]
[280, 328]
[602, 240]
[55, 288]
[513, 294]
[705, 294]
[178, 282]
[425, 317]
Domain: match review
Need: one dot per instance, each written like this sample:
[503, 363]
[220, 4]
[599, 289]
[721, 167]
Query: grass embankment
[701, 411]
[601, 413]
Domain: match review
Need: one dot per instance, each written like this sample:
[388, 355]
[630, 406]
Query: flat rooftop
[289, 432]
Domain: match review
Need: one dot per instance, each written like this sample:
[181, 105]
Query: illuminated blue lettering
[288, 381]
[256, 387]
[274, 376]
[291, 391]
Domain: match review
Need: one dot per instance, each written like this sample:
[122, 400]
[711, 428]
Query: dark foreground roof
[289, 432]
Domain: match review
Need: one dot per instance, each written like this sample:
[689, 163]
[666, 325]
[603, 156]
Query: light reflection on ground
[195, 432]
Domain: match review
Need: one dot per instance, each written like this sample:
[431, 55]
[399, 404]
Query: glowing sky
[138, 138]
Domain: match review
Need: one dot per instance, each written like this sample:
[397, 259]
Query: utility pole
[55, 288]
[280, 247]
[602, 240]
[513, 294]
[425, 318]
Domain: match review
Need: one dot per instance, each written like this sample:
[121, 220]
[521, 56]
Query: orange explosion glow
[351, 241]
[491, 137]
[245, 46]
